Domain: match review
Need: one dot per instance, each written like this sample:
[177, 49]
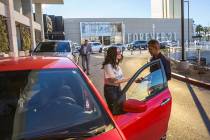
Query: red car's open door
[147, 105]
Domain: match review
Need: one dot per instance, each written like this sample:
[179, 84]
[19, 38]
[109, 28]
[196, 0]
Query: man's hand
[138, 80]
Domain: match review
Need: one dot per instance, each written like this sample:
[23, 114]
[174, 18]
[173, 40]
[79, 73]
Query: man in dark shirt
[154, 50]
[85, 52]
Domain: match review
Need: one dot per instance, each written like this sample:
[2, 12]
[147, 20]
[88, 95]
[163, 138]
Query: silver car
[62, 48]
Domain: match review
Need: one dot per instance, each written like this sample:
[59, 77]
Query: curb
[191, 81]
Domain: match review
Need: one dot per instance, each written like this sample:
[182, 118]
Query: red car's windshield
[46, 101]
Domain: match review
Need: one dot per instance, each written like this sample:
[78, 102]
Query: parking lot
[190, 109]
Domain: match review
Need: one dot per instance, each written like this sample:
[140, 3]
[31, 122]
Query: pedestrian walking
[85, 52]
[113, 77]
[154, 50]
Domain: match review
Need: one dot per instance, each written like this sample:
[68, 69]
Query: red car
[51, 98]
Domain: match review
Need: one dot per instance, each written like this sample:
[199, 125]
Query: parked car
[56, 48]
[173, 44]
[76, 52]
[52, 98]
[120, 45]
[76, 46]
[163, 45]
[96, 47]
[138, 44]
[105, 48]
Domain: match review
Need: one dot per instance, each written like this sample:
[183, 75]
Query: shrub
[4, 41]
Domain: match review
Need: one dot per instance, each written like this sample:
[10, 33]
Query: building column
[39, 17]
[123, 32]
[28, 11]
[12, 29]
[17, 6]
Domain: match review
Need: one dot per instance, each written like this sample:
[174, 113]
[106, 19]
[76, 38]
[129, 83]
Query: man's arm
[167, 67]
[80, 50]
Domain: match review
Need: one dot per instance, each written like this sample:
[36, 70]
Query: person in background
[85, 52]
[113, 77]
[154, 50]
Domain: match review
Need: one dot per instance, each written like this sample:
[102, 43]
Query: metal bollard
[199, 56]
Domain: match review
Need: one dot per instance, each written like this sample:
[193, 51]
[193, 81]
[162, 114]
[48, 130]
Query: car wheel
[100, 51]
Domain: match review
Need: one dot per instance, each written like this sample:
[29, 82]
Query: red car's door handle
[165, 101]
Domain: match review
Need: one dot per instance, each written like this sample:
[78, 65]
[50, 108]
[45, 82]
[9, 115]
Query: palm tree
[199, 29]
[205, 30]
[208, 33]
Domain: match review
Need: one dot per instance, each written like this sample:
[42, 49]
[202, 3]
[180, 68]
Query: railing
[194, 54]
[199, 68]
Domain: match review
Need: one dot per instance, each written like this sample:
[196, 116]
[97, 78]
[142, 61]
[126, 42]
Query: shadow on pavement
[200, 108]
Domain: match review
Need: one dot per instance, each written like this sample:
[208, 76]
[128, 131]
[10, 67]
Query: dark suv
[138, 44]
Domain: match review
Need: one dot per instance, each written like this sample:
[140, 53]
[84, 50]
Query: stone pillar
[12, 29]
[39, 18]
[28, 11]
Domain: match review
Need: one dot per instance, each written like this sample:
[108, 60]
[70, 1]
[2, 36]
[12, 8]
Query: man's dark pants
[85, 62]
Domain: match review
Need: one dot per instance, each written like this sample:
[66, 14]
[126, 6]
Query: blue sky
[199, 9]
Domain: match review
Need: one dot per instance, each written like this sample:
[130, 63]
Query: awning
[49, 1]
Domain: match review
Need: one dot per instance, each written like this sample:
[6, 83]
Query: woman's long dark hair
[111, 57]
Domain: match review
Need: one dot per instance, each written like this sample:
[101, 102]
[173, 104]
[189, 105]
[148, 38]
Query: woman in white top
[113, 77]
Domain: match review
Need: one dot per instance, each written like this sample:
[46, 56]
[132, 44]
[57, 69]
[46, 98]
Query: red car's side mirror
[134, 106]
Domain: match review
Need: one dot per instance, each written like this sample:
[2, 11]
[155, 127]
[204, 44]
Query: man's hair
[153, 42]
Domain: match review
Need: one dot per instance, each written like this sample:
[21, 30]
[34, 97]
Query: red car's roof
[35, 63]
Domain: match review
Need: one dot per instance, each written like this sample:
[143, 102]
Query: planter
[11, 54]
[21, 53]
[27, 53]
[1, 54]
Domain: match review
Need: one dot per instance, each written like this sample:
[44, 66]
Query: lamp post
[182, 30]
[188, 22]
[153, 30]
[183, 65]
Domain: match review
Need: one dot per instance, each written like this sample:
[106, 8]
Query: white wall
[156, 9]
[132, 26]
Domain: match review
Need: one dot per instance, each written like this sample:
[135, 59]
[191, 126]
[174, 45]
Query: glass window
[143, 42]
[95, 44]
[33, 102]
[151, 82]
[46, 47]
[63, 47]
[53, 47]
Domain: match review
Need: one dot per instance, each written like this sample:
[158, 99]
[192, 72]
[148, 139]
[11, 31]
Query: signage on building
[100, 28]
[163, 36]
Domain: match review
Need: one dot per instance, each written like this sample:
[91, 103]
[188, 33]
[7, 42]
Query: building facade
[53, 27]
[22, 30]
[166, 9]
[124, 30]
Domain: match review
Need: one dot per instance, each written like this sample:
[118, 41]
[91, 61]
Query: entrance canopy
[49, 1]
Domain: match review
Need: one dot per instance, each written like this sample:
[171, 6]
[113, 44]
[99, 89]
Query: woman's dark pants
[112, 95]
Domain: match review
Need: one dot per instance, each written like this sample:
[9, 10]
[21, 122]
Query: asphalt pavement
[190, 116]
